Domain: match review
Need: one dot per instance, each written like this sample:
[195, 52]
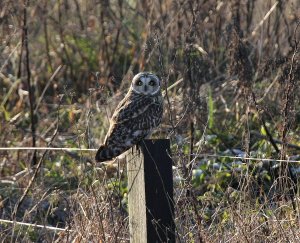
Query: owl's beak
[145, 88]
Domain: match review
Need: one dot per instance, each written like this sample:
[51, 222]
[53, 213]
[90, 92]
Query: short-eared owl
[135, 117]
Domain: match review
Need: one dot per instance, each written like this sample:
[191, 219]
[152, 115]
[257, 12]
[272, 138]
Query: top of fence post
[150, 192]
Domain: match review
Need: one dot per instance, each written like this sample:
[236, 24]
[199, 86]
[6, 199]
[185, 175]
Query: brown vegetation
[230, 72]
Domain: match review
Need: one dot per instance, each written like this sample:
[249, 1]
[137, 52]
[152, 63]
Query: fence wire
[196, 155]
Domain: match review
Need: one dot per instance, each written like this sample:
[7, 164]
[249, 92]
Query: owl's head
[145, 83]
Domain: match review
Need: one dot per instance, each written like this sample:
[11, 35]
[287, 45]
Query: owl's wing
[129, 109]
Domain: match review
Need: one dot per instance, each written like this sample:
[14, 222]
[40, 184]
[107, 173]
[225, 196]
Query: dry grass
[64, 65]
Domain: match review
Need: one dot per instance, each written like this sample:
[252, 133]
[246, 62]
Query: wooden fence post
[150, 192]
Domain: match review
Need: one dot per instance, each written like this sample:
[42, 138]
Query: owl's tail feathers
[104, 153]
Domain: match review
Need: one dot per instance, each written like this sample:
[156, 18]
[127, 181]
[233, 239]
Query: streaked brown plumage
[134, 118]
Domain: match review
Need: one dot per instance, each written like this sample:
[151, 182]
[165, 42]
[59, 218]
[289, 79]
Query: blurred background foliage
[231, 71]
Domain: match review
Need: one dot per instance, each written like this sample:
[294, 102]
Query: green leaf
[263, 131]
[6, 113]
[210, 109]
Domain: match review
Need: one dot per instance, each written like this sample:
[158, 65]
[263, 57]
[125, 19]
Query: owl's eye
[139, 83]
[152, 83]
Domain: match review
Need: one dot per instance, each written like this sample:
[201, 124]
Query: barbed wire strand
[4, 221]
[47, 148]
[246, 158]
[196, 155]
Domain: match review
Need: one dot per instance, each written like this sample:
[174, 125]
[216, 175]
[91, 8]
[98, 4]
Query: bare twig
[264, 18]
[30, 88]
[46, 87]
[165, 79]
[263, 122]
[275, 140]
[288, 101]
[38, 165]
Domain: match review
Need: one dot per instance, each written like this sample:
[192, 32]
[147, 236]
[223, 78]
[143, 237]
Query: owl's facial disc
[146, 84]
